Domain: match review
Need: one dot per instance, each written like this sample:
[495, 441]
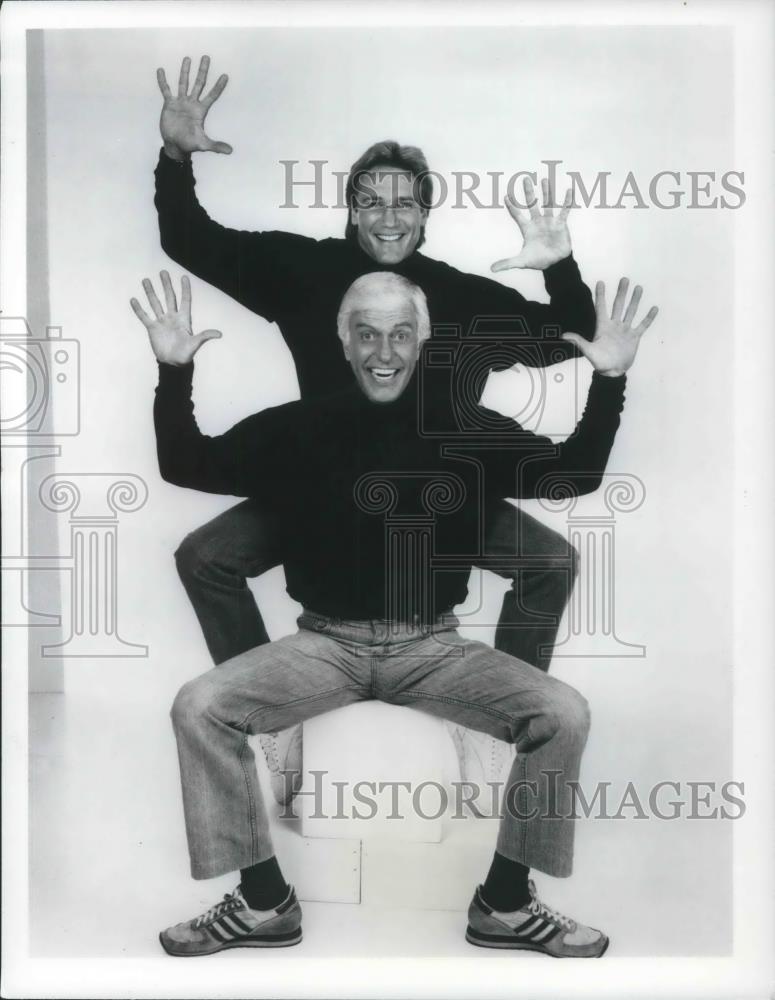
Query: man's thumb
[578, 341]
[201, 338]
[218, 147]
[509, 262]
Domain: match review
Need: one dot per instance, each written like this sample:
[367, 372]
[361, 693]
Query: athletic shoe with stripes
[536, 927]
[232, 924]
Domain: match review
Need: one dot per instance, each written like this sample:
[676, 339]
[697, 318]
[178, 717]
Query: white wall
[641, 99]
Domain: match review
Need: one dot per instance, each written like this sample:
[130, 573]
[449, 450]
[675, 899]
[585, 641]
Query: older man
[372, 628]
[298, 283]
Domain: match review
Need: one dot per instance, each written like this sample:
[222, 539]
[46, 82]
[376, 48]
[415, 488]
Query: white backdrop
[474, 99]
[478, 100]
[599, 98]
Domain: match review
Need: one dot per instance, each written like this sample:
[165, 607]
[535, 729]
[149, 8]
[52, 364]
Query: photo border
[749, 971]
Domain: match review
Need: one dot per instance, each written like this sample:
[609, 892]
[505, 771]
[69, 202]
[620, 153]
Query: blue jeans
[215, 560]
[329, 663]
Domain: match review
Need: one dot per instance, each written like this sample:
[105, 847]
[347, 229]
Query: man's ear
[346, 348]
[353, 216]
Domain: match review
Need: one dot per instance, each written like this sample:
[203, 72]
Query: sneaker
[482, 760]
[283, 752]
[232, 924]
[536, 927]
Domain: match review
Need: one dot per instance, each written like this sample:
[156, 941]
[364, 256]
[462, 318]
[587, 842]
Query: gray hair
[382, 281]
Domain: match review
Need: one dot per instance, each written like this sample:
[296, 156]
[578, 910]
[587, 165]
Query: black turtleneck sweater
[379, 521]
[479, 325]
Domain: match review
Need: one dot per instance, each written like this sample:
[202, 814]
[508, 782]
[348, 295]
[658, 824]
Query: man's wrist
[176, 372]
[175, 153]
[560, 260]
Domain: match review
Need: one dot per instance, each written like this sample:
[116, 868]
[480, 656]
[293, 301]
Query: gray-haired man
[367, 630]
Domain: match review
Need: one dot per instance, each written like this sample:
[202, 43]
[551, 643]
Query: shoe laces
[540, 909]
[231, 901]
[269, 746]
[499, 754]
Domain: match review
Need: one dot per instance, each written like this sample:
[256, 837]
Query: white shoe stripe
[232, 926]
[540, 927]
[542, 934]
[217, 934]
[529, 925]
[224, 928]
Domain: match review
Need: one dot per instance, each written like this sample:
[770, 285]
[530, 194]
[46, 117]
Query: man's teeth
[383, 374]
[389, 237]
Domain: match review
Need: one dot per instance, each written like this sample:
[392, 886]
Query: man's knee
[564, 712]
[191, 555]
[570, 711]
[573, 557]
[557, 550]
[227, 550]
[205, 554]
[550, 550]
[562, 561]
[192, 702]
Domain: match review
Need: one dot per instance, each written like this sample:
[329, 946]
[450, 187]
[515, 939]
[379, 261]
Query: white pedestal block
[429, 876]
[321, 871]
[415, 863]
[324, 871]
[373, 770]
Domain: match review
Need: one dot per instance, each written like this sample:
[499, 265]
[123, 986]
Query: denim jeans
[329, 663]
[215, 560]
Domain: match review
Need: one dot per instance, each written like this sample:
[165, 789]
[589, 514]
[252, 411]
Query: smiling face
[383, 344]
[386, 214]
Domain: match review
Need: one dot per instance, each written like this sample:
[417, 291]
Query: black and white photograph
[387, 499]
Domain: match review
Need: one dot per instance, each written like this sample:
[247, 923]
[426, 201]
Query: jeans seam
[243, 727]
[523, 824]
[296, 701]
[251, 800]
[459, 701]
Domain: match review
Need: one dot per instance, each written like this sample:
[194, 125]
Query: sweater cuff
[179, 378]
[607, 387]
[175, 167]
[564, 272]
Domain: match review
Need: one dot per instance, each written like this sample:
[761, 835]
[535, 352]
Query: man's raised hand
[170, 333]
[613, 348]
[546, 236]
[183, 116]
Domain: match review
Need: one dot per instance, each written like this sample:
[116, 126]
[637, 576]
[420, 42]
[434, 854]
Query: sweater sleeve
[234, 463]
[535, 326]
[261, 270]
[527, 465]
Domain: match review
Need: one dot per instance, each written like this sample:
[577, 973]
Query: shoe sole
[495, 941]
[268, 941]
